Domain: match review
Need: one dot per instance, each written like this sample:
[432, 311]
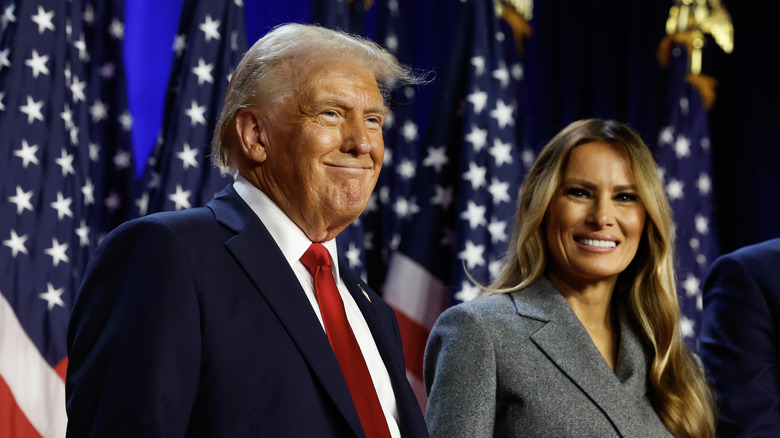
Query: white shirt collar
[288, 236]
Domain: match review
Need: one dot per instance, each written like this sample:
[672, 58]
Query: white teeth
[599, 243]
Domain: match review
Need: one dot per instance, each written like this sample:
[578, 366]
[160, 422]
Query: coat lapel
[262, 260]
[564, 340]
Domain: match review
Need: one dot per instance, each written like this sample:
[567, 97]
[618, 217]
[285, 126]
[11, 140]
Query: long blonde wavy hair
[679, 392]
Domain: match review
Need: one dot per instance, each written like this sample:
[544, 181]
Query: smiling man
[238, 319]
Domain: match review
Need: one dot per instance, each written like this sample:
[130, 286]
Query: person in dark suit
[739, 339]
[579, 336]
[220, 320]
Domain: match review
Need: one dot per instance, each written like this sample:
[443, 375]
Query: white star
[517, 71]
[702, 224]
[436, 158]
[2, 96]
[391, 42]
[691, 285]
[442, 197]
[409, 131]
[27, 154]
[407, 169]
[66, 162]
[684, 105]
[503, 114]
[143, 204]
[528, 157]
[53, 296]
[181, 198]
[502, 75]
[179, 44]
[77, 89]
[389, 121]
[472, 255]
[196, 114]
[32, 109]
[62, 205]
[89, 15]
[67, 116]
[682, 147]
[38, 64]
[22, 200]
[8, 16]
[113, 201]
[117, 29]
[57, 252]
[479, 65]
[477, 137]
[502, 152]
[475, 214]
[476, 175]
[74, 135]
[107, 70]
[704, 183]
[81, 46]
[353, 256]
[89, 192]
[667, 135]
[16, 243]
[705, 143]
[686, 326]
[497, 230]
[479, 99]
[126, 120]
[494, 267]
[210, 28]
[404, 208]
[4, 61]
[188, 157]
[122, 159]
[499, 191]
[387, 161]
[43, 20]
[675, 189]
[203, 72]
[83, 232]
[94, 152]
[98, 111]
[468, 291]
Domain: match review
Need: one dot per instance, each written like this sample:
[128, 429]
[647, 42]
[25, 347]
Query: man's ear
[251, 135]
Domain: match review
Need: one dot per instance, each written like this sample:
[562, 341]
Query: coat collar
[566, 342]
[262, 260]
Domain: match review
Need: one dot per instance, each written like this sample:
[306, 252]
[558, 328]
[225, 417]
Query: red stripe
[414, 336]
[61, 368]
[13, 423]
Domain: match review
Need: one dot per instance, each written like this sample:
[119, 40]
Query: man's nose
[356, 138]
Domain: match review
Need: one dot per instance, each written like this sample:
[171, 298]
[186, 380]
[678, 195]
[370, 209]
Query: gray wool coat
[522, 365]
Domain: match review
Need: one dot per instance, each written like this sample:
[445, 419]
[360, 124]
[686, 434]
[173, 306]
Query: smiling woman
[579, 336]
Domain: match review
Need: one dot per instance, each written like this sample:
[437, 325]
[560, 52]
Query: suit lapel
[262, 260]
[564, 340]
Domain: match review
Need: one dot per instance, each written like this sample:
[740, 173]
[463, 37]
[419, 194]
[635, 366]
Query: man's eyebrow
[380, 108]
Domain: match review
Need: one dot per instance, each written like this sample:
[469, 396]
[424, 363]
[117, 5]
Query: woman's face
[595, 220]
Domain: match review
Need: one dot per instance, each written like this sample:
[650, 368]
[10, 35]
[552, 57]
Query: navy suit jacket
[740, 339]
[192, 324]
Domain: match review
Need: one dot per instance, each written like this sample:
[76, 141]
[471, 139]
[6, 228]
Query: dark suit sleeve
[134, 346]
[739, 344]
[459, 368]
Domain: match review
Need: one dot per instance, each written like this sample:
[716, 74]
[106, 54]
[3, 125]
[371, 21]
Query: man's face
[324, 146]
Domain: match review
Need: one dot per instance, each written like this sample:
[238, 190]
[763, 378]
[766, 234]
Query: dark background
[586, 58]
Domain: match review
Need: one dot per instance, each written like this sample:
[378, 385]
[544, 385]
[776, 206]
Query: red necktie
[342, 340]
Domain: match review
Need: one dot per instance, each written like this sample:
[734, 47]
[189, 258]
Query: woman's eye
[626, 197]
[577, 193]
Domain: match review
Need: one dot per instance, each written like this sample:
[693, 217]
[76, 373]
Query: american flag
[684, 157]
[66, 165]
[209, 44]
[464, 193]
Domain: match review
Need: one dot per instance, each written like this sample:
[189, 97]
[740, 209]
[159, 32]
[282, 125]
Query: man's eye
[374, 121]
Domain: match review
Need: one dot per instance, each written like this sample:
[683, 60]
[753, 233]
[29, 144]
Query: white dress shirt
[294, 243]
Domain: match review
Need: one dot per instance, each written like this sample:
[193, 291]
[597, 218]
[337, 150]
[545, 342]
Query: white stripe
[411, 289]
[37, 388]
